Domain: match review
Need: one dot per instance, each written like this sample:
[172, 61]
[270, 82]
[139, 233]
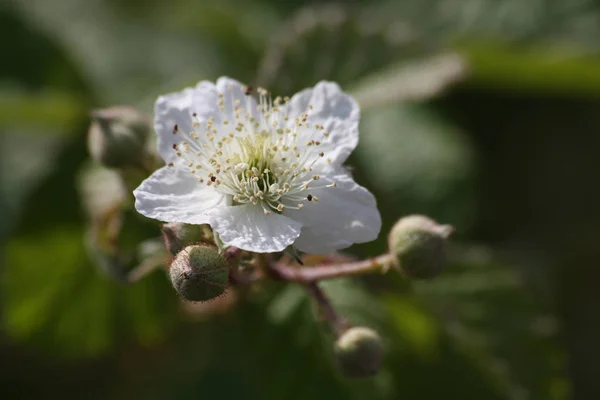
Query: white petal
[225, 84]
[343, 215]
[206, 100]
[174, 195]
[337, 111]
[176, 109]
[248, 228]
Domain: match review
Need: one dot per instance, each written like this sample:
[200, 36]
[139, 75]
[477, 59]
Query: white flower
[265, 175]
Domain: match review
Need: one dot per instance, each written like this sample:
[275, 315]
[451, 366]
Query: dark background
[479, 113]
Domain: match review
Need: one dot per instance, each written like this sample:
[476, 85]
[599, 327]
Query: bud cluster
[266, 166]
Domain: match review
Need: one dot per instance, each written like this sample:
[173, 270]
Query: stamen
[251, 153]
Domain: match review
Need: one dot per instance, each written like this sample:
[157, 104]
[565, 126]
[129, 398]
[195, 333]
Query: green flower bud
[118, 136]
[177, 235]
[418, 245]
[199, 273]
[359, 352]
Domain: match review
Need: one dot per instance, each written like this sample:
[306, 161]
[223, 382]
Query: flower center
[257, 154]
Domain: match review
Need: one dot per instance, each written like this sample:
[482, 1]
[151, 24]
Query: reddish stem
[338, 323]
[313, 273]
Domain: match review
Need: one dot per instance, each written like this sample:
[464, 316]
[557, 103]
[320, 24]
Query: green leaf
[123, 62]
[499, 323]
[418, 163]
[54, 299]
[417, 80]
[329, 42]
[537, 68]
[26, 158]
[546, 46]
[281, 348]
[49, 111]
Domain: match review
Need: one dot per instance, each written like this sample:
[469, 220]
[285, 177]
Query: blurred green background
[479, 113]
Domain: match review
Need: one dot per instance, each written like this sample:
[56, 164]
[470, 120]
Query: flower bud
[418, 245]
[118, 135]
[199, 273]
[359, 352]
[177, 235]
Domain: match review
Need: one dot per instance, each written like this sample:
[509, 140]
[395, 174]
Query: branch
[338, 323]
[313, 273]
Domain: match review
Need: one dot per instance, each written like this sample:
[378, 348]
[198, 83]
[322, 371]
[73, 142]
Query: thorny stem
[308, 276]
[281, 270]
[314, 273]
[337, 323]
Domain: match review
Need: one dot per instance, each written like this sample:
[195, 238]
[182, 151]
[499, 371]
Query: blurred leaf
[416, 81]
[53, 298]
[123, 62]
[418, 328]
[26, 157]
[419, 163]
[574, 22]
[492, 316]
[536, 69]
[276, 346]
[51, 111]
[545, 45]
[330, 42]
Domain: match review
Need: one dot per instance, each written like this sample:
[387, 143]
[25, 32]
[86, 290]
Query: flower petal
[248, 228]
[205, 103]
[174, 195]
[343, 215]
[337, 111]
[175, 109]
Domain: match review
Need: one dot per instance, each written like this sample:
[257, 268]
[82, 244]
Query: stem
[337, 323]
[315, 273]
[147, 266]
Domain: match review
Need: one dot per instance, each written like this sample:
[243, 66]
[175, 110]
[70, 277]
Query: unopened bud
[199, 273]
[118, 136]
[359, 352]
[177, 236]
[418, 245]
